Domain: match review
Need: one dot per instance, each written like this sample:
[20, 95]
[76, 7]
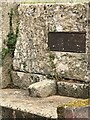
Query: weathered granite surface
[19, 100]
[32, 54]
[6, 63]
[5, 73]
[23, 80]
[77, 90]
[42, 89]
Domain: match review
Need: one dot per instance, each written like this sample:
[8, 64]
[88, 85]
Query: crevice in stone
[63, 78]
[75, 80]
[31, 72]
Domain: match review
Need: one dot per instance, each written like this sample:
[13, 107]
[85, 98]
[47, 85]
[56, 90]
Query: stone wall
[32, 56]
[36, 21]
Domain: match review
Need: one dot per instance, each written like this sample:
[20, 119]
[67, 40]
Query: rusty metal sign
[67, 41]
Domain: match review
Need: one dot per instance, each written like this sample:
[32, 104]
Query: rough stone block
[43, 89]
[32, 54]
[23, 80]
[81, 112]
[73, 89]
[74, 110]
[5, 72]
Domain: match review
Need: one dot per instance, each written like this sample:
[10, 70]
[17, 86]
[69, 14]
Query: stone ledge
[76, 90]
[23, 80]
[17, 99]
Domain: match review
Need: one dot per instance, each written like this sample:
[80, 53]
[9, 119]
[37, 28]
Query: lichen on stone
[78, 103]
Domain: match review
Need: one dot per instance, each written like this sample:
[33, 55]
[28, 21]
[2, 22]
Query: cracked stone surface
[17, 99]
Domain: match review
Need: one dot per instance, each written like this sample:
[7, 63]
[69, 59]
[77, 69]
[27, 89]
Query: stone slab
[17, 99]
[32, 53]
[75, 110]
[73, 89]
[23, 80]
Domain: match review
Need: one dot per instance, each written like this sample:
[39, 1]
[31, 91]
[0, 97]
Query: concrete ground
[20, 100]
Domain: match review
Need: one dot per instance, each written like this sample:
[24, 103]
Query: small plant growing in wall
[53, 74]
[12, 36]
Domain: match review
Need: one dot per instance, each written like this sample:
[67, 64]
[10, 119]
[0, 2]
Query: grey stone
[23, 80]
[5, 77]
[43, 89]
[19, 100]
[78, 112]
[73, 89]
[32, 54]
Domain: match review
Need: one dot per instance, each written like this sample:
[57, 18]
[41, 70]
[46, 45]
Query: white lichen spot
[55, 61]
[74, 86]
[20, 74]
[59, 27]
[77, 65]
[61, 67]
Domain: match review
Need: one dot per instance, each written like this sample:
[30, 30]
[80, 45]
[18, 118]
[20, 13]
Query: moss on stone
[78, 103]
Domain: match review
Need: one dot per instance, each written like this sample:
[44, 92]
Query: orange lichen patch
[78, 103]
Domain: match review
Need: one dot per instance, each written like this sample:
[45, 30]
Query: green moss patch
[78, 103]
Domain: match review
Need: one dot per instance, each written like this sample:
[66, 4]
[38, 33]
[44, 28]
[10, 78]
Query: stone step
[18, 103]
[77, 90]
[47, 88]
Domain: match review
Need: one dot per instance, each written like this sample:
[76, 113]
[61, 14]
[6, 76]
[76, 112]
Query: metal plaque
[67, 41]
